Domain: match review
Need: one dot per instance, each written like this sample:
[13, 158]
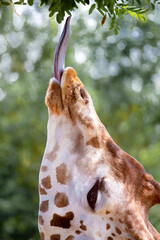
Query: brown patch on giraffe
[40, 220]
[61, 200]
[70, 114]
[113, 235]
[86, 120]
[44, 206]
[70, 237]
[94, 142]
[112, 147]
[54, 97]
[62, 174]
[55, 237]
[42, 191]
[108, 226]
[78, 232]
[44, 168]
[78, 143]
[118, 230]
[46, 182]
[120, 220]
[107, 212]
[42, 236]
[111, 218]
[109, 238]
[52, 155]
[70, 96]
[62, 221]
[82, 226]
[70, 93]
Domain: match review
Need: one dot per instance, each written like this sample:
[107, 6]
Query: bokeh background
[122, 74]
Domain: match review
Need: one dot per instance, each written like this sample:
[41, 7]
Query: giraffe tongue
[59, 58]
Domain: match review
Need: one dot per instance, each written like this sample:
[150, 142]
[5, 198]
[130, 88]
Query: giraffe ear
[151, 191]
[156, 199]
[54, 97]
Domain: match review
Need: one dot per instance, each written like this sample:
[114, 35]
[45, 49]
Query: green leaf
[130, 7]
[83, 2]
[4, 3]
[52, 8]
[101, 11]
[139, 2]
[30, 2]
[68, 12]
[41, 3]
[59, 18]
[20, 3]
[111, 6]
[51, 14]
[136, 9]
[144, 10]
[152, 6]
[116, 31]
[133, 14]
[142, 17]
[92, 8]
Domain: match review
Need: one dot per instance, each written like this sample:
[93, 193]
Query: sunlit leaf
[92, 8]
[133, 14]
[142, 17]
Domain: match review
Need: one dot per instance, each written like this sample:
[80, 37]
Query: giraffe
[90, 189]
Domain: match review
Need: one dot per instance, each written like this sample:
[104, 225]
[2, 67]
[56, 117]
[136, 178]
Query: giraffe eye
[92, 195]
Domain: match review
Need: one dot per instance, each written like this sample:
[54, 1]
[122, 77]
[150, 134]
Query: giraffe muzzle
[59, 58]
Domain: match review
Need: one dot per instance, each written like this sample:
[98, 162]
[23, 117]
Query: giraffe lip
[59, 59]
[61, 74]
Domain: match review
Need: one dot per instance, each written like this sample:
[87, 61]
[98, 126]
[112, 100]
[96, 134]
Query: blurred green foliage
[122, 75]
[113, 9]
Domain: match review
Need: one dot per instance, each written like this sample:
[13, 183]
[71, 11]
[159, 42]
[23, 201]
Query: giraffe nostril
[84, 95]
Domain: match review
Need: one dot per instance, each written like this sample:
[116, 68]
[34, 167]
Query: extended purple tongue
[59, 58]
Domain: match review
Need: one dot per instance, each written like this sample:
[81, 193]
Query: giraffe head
[89, 187]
